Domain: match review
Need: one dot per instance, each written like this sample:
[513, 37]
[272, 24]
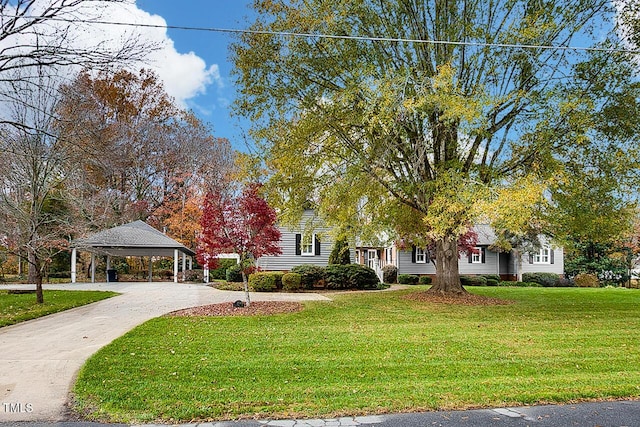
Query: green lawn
[372, 353]
[18, 308]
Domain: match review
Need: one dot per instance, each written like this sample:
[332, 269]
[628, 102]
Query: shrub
[352, 276]
[408, 279]
[390, 274]
[567, 283]
[340, 254]
[165, 274]
[525, 284]
[362, 277]
[425, 280]
[473, 281]
[587, 280]
[312, 275]
[234, 273]
[292, 282]
[229, 286]
[195, 275]
[492, 277]
[547, 280]
[492, 282]
[220, 272]
[263, 281]
[278, 276]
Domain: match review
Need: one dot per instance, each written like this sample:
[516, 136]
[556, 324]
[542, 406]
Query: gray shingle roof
[136, 238]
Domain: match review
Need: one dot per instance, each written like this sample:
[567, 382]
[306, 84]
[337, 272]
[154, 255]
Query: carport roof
[134, 239]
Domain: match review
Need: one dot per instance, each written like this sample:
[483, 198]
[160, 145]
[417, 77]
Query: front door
[372, 258]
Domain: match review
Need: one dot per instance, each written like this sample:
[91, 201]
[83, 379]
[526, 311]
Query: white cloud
[185, 75]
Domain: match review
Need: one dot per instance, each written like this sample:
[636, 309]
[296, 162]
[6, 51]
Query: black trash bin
[112, 275]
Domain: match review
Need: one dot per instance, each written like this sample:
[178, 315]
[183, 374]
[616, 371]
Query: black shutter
[484, 255]
[413, 254]
[470, 255]
[530, 258]
[298, 244]
[317, 248]
[551, 255]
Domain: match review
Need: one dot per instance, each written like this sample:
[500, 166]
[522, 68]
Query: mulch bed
[256, 308]
[462, 299]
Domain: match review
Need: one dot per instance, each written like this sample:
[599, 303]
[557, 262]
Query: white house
[314, 245]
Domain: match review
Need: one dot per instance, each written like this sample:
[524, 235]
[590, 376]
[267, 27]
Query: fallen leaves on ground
[461, 299]
[256, 308]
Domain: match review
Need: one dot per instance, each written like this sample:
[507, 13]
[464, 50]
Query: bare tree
[50, 36]
[33, 211]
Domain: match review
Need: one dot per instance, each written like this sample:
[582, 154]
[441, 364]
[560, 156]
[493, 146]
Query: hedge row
[336, 276]
[351, 276]
[546, 280]
[412, 279]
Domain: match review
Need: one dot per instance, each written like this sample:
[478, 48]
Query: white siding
[490, 265]
[557, 266]
[405, 266]
[288, 259]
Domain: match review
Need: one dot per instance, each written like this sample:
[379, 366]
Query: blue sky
[212, 103]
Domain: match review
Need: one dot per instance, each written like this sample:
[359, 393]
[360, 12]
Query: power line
[338, 37]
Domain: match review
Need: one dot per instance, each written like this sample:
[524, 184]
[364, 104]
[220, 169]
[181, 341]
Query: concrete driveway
[41, 357]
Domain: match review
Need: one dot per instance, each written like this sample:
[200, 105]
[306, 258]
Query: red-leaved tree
[244, 224]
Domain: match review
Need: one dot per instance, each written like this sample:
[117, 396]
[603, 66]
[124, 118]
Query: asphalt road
[593, 414]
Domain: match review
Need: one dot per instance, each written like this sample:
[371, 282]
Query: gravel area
[227, 309]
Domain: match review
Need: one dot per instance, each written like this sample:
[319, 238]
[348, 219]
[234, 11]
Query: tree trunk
[447, 280]
[245, 282]
[35, 275]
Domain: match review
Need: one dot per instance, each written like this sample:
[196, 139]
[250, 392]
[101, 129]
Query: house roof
[486, 234]
[134, 239]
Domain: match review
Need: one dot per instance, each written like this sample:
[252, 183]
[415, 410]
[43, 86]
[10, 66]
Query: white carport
[134, 239]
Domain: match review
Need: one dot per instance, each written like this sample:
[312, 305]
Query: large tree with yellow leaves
[424, 117]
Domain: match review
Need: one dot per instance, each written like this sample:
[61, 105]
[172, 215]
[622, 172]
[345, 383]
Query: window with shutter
[543, 256]
[476, 256]
[307, 245]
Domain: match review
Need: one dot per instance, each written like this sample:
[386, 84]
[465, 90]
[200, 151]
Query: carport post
[74, 254]
[150, 268]
[184, 266]
[175, 266]
[93, 268]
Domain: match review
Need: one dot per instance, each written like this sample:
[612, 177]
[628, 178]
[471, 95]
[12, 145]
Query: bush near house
[263, 281]
[352, 276]
[587, 280]
[547, 280]
[473, 281]
[220, 273]
[292, 282]
[234, 273]
[425, 280]
[408, 279]
[312, 275]
[492, 279]
[508, 283]
[390, 274]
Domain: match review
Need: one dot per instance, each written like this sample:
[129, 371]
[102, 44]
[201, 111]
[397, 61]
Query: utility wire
[335, 36]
